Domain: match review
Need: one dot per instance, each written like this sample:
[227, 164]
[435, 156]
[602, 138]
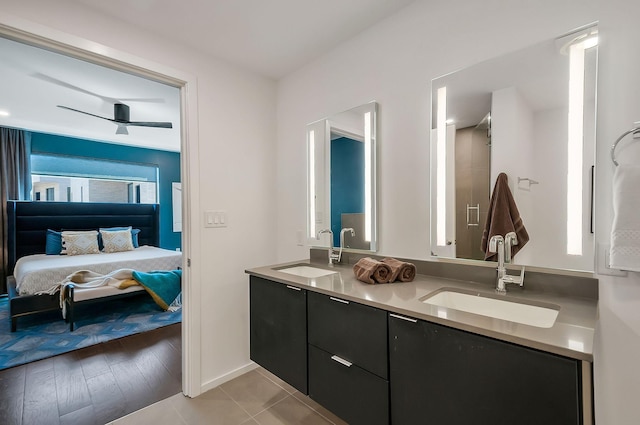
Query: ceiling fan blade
[121, 112]
[151, 124]
[142, 99]
[107, 99]
[86, 113]
[72, 87]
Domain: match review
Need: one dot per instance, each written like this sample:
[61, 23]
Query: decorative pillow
[163, 286]
[134, 235]
[79, 243]
[117, 240]
[53, 242]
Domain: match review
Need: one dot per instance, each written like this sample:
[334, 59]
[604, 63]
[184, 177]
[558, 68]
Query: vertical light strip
[575, 147]
[312, 184]
[441, 162]
[367, 177]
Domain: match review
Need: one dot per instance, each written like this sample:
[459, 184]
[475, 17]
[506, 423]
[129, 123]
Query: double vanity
[466, 342]
[438, 350]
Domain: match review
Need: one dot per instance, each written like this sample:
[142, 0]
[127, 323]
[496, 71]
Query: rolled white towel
[625, 231]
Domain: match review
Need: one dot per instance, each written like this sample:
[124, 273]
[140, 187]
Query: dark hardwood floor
[96, 384]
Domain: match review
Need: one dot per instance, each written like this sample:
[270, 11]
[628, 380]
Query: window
[75, 179]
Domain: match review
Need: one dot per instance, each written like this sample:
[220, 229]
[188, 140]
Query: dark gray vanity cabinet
[446, 376]
[278, 330]
[348, 359]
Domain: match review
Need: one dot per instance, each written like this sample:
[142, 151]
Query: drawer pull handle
[341, 361]
[294, 288]
[408, 319]
[339, 300]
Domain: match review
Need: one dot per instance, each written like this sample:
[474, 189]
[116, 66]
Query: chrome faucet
[333, 255]
[510, 239]
[497, 245]
[342, 232]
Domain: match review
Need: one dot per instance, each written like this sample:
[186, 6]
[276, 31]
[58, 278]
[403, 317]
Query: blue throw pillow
[163, 286]
[53, 244]
[134, 235]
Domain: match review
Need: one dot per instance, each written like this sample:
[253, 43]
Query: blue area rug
[46, 334]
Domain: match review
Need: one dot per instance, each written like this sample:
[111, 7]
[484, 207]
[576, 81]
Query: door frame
[48, 38]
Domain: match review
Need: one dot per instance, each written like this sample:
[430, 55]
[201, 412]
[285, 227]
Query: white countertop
[571, 335]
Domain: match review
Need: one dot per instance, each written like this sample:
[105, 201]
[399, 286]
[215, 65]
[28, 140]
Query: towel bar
[635, 130]
[528, 181]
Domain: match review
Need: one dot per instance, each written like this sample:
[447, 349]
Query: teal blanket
[163, 286]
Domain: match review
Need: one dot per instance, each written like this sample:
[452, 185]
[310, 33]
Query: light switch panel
[215, 218]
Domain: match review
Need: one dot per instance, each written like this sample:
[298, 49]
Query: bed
[28, 223]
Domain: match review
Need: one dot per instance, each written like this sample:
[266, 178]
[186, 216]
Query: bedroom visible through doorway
[177, 82]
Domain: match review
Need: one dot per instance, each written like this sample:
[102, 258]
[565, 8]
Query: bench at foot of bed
[75, 296]
[26, 305]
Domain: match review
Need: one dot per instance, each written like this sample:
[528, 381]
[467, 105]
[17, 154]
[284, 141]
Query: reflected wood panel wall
[472, 159]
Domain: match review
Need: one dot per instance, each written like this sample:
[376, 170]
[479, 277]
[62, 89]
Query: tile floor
[255, 398]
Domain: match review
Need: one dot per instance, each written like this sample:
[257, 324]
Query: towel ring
[634, 130]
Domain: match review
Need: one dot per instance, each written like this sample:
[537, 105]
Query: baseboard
[206, 386]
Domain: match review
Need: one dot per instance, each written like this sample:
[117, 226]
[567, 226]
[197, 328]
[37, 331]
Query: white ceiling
[271, 38]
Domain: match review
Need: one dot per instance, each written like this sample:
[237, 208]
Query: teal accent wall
[347, 181]
[168, 164]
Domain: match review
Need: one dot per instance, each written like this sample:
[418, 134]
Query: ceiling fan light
[122, 129]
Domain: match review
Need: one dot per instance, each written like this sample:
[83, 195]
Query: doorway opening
[88, 51]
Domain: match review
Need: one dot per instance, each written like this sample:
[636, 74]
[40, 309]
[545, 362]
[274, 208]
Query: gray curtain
[15, 181]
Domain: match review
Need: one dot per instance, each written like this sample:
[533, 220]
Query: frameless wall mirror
[529, 114]
[342, 179]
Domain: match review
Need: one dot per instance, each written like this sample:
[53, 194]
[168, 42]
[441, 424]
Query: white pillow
[117, 240]
[80, 242]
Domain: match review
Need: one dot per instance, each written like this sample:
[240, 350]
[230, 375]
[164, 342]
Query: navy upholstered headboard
[28, 222]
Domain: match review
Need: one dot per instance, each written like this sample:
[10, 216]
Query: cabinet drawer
[278, 330]
[355, 395]
[353, 331]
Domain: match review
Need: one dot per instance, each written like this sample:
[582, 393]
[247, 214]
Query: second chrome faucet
[502, 246]
[335, 256]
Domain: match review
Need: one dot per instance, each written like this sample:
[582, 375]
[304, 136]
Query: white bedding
[37, 273]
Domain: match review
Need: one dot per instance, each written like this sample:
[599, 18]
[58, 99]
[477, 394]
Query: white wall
[511, 153]
[618, 338]
[394, 62]
[549, 224]
[236, 133]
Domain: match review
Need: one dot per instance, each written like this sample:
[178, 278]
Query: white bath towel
[625, 232]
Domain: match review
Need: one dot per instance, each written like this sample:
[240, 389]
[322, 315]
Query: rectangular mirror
[531, 115]
[342, 179]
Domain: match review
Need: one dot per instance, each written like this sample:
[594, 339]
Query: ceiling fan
[107, 99]
[121, 118]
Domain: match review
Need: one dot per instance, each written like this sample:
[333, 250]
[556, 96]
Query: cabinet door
[355, 332]
[278, 330]
[444, 376]
[357, 396]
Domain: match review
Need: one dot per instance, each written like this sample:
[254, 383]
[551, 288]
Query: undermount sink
[306, 271]
[473, 302]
